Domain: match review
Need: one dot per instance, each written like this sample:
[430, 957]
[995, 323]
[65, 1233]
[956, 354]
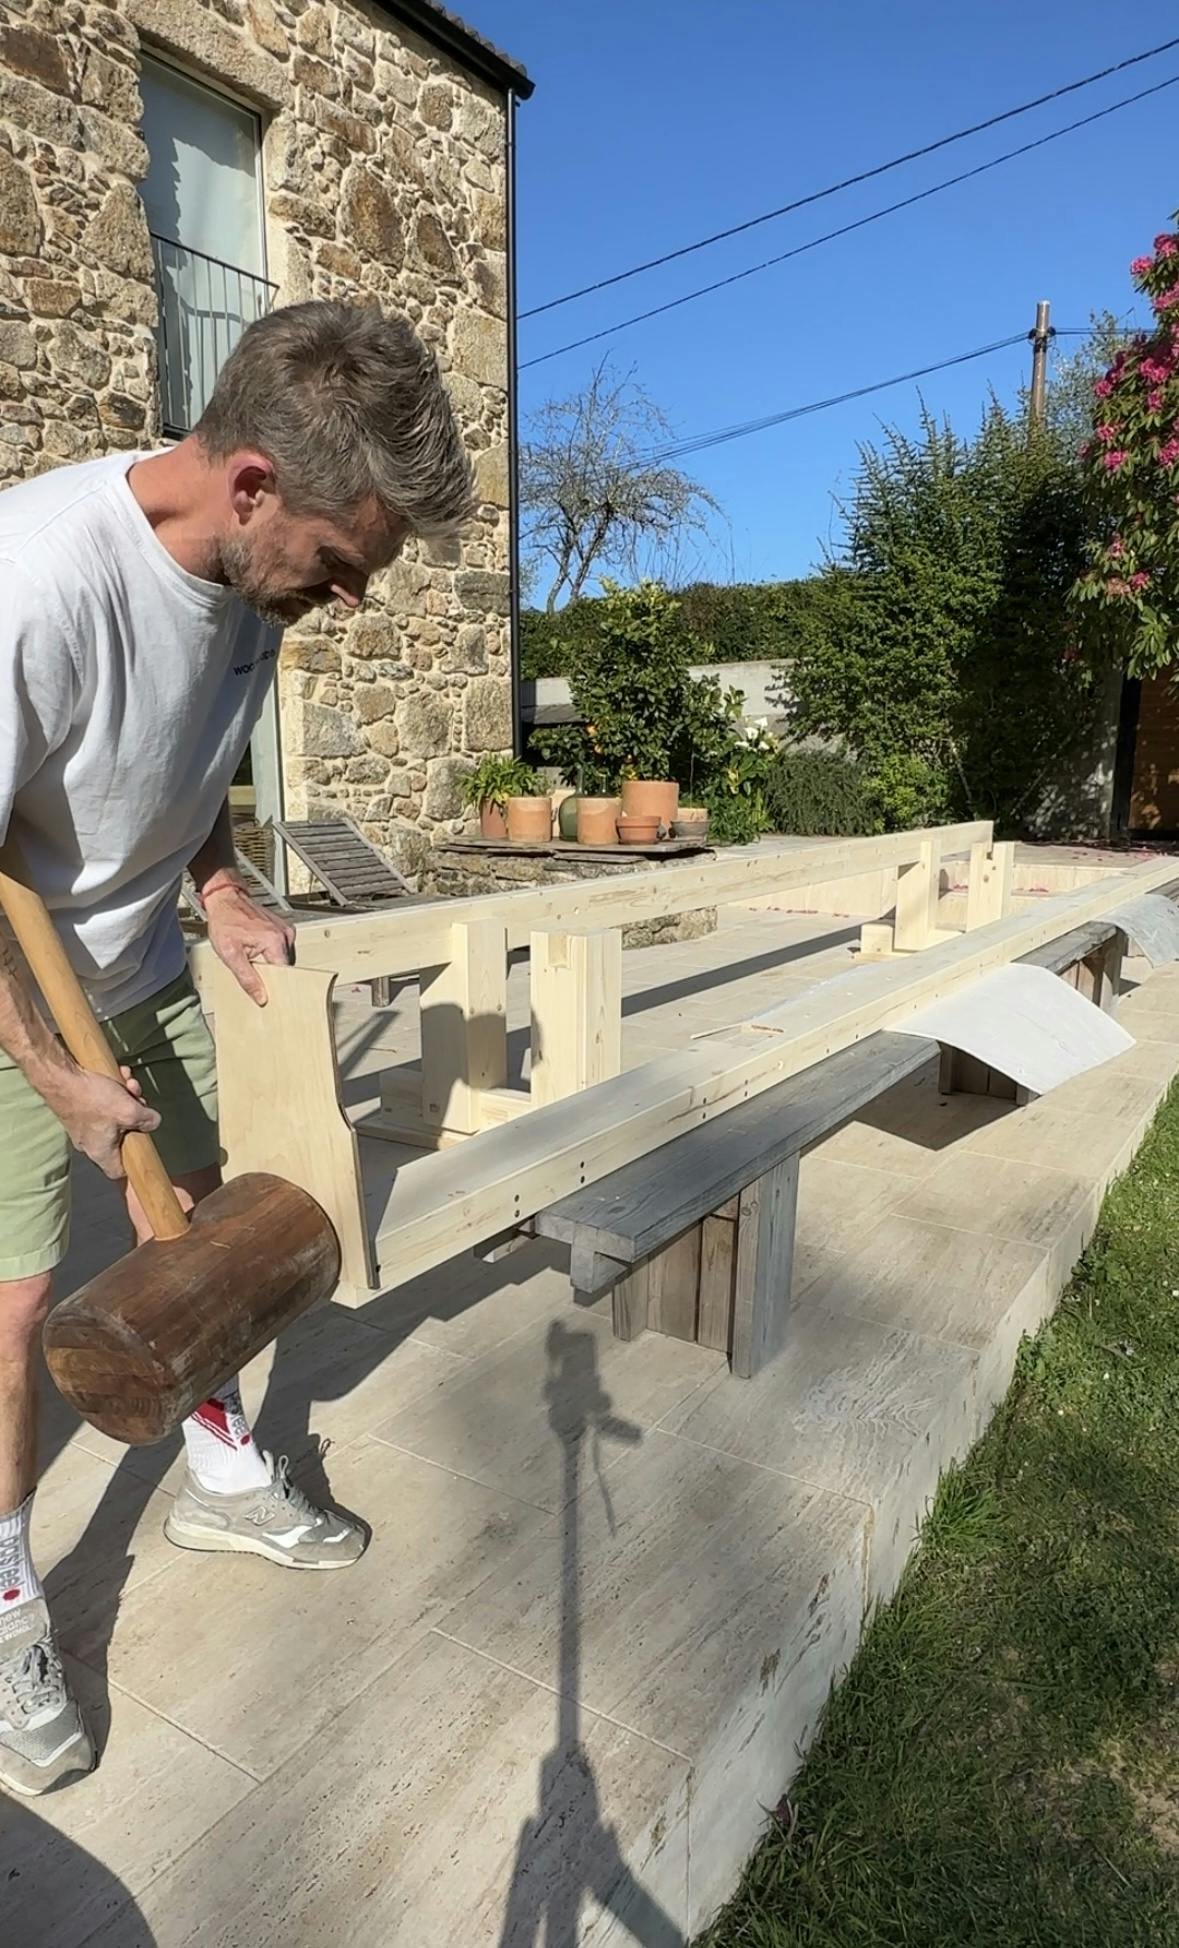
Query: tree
[594, 493]
[942, 654]
[1129, 594]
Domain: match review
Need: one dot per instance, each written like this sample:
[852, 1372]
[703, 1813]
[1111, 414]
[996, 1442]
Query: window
[202, 194]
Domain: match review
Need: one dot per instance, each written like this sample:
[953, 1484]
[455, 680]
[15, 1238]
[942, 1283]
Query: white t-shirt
[128, 691]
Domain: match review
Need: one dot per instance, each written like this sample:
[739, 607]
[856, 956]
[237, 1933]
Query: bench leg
[765, 1264]
[464, 1025]
[1099, 975]
[629, 1301]
[661, 1294]
[960, 1074]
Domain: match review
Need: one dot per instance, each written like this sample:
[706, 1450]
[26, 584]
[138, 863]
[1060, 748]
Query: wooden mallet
[146, 1341]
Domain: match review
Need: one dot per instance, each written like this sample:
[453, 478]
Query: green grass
[1001, 1764]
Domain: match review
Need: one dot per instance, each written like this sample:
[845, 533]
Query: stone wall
[460, 872]
[384, 179]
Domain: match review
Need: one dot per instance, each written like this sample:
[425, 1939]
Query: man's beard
[277, 607]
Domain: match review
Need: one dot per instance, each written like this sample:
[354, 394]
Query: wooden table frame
[280, 1089]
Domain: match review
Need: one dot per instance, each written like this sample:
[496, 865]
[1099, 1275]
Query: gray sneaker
[42, 1737]
[276, 1520]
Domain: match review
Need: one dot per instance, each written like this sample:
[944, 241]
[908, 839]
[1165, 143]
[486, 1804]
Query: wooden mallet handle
[38, 940]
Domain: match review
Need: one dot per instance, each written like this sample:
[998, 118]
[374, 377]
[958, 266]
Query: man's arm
[240, 933]
[95, 1112]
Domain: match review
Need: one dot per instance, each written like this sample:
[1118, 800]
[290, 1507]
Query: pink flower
[1106, 434]
[1117, 548]
[1154, 399]
[1141, 265]
[1140, 580]
[1115, 586]
[1166, 299]
[1169, 453]
[1165, 244]
[1103, 388]
[1113, 460]
[1154, 371]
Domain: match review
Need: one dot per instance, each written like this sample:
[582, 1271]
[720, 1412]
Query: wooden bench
[697, 1239]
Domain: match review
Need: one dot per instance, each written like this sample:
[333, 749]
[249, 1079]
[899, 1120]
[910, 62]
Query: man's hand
[97, 1113]
[241, 933]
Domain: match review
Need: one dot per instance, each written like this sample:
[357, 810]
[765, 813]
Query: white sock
[19, 1581]
[222, 1453]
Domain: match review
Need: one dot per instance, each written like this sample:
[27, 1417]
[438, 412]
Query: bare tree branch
[592, 497]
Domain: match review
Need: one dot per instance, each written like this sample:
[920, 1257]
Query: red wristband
[224, 880]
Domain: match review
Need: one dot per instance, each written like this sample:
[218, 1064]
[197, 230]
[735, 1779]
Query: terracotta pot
[492, 823]
[567, 816]
[639, 831]
[530, 821]
[650, 798]
[597, 821]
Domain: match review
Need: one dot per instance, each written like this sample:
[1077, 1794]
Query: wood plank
[629, 1303]
[673, 1287]
[440, 1204]
[279, 1095]
[576, 1011]
[765, 1262]
[918, 891]
[989, 887]
[416, 933]
[464, 1008]
[638, 1208]
[718, 1256]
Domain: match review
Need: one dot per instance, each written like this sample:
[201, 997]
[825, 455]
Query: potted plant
[488, 788]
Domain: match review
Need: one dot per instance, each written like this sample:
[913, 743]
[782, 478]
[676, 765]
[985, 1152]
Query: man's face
[283, 565]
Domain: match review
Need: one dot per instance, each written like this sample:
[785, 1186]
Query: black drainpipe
[513, 430]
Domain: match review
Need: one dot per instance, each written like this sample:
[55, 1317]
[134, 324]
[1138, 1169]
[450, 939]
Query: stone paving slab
[609, 1585]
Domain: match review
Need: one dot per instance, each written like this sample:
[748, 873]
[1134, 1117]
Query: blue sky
[654, 123]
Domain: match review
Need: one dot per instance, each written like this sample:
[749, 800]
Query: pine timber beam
[440, 1205]
[412, 935]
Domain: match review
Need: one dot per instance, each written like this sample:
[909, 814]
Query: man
[144, 596]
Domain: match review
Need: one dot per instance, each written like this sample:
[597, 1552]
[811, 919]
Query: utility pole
[1039, 335]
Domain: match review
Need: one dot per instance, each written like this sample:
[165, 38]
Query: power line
[700, 442]
[845, 229]
[864, 176]
[721, 435]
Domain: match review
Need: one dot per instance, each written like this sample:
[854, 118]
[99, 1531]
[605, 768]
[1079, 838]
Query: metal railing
[205, 306]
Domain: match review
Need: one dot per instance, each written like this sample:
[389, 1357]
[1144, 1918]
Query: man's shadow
[48, 1881]
[566, 1849]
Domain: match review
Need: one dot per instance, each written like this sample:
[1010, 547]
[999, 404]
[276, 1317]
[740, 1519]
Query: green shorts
[166, 1044]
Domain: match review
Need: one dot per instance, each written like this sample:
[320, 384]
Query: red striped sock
[222, 1453]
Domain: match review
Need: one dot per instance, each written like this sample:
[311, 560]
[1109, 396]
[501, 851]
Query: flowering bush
[1130, 590]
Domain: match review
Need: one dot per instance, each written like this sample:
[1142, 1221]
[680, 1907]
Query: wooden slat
[357, 947]
[342, 859]
[718, 1241]
[629, 1302]
[673, 1285]
[637, 1209]
[765, 1260]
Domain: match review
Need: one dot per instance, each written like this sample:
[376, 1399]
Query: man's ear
[250, 481]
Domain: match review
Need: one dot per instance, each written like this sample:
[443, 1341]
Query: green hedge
[741, 622]
[818, 795]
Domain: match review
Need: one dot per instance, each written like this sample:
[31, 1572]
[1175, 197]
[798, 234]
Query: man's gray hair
[346, 405]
